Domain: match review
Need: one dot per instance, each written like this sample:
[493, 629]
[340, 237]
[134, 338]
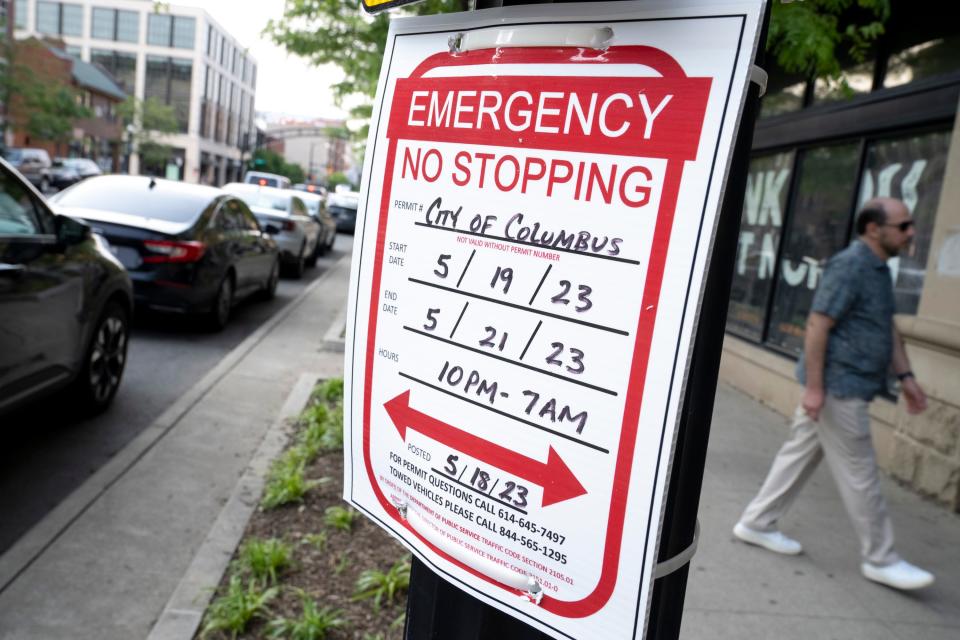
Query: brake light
[263, 182]
[289, 225]
[172, 251]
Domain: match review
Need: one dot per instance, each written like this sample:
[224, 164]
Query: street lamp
[130, 130]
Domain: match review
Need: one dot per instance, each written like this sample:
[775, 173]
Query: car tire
[44, 185]
[298, 266]
[269, 291]
[219, 314]
[103, 361]
[312, 259]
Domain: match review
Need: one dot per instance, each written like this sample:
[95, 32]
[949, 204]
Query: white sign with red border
[534, 227]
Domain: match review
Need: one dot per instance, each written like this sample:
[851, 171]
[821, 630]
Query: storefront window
[763, 206]
[818, 227]
[910, 169]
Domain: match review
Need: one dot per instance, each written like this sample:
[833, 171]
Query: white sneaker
[770, 540]
[899, 575]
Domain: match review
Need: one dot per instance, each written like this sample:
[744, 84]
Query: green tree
[270, 161]
[812, 38]
[146, 121]
[43, 107]
[808, 37]
[335, 179]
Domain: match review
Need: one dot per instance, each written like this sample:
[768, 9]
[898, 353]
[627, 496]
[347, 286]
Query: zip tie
[670, 565]
[760, 77]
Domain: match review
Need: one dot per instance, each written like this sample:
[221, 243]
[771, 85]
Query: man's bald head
[878, 210]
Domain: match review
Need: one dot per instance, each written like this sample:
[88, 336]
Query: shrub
[235, 609]
[383, 587]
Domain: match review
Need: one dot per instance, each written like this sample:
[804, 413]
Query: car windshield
[135, 197]
[265, 200]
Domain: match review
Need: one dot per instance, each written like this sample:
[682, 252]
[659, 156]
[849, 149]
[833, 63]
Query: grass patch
[340, 518]
[314, 622]
[383, 587]
[264, 560]
[235, 609]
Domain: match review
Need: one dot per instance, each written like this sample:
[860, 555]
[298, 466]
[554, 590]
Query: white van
[266, 179]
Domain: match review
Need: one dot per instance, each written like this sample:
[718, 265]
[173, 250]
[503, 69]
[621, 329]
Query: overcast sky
[284, 83]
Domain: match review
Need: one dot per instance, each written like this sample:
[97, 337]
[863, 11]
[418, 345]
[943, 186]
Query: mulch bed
[330, 575]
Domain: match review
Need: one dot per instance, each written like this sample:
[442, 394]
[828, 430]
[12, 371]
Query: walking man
[850, 346]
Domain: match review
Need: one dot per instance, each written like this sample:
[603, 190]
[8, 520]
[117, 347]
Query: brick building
[99, 136]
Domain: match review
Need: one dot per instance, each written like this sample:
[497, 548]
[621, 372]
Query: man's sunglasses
[903, 226]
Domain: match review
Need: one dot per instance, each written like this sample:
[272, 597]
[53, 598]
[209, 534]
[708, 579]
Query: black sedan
[188, 248]
[65, 304]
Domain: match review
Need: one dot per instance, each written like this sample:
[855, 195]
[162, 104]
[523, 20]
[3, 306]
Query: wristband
[903, 376]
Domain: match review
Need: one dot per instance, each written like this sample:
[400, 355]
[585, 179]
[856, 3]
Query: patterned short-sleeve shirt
[856, 291]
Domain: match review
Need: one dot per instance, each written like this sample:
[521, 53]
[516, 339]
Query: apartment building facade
[177, 55]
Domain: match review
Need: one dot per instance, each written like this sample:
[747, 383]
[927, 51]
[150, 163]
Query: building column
[925, 450]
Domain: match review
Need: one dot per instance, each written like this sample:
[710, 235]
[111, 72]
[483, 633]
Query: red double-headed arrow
[554, 475]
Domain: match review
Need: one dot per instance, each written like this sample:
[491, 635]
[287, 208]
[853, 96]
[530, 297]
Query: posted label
[528, 260]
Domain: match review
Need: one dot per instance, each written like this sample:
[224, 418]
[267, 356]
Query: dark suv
[65, 304]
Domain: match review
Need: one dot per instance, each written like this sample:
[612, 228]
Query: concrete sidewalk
[124, 548]
[741, 591]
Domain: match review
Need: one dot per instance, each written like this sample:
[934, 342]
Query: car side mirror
[70, 231]
[271, 229]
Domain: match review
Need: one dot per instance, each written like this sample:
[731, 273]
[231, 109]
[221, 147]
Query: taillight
[289, 225]
[172, 251]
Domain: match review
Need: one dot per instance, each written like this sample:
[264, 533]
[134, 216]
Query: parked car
[299, 234]
[342, 205]
[311, 188]
[65, 304]
[328, 226]
[264, 179]
[34, 164]
[188, 248]
[84, 167]
[62, 176]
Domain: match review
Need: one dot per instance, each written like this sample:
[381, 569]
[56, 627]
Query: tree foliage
[810, 38]
[41, 106]
[339, 32]
[147, 121]
[272, 162]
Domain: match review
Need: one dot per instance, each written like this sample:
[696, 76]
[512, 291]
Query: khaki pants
[842, 435]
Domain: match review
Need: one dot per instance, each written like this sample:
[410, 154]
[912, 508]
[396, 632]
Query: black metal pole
[689, 458]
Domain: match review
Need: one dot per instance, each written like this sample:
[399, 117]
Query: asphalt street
[48, 452]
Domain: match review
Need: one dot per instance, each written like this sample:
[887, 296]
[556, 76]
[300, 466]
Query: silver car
[298, 234]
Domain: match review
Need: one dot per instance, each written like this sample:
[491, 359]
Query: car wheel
[312, 259]
[104, 361]
[299, 265]
[269, 291]
[222, 305]
[44, 185]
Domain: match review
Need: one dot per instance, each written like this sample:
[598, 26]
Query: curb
[28, 549]
[184, 611]
[333, 339]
